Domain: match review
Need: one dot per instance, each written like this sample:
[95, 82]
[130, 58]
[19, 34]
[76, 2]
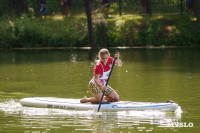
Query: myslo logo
[180, 124]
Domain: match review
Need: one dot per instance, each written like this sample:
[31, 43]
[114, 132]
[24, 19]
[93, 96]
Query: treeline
[25, 30]
[178, 30]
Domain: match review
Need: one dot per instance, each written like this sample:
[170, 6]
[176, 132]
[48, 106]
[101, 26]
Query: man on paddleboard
[98, 82]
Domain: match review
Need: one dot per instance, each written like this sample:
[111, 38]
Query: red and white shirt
[103, 70]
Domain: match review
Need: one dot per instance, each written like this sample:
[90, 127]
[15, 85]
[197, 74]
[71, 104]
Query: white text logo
[180, 124]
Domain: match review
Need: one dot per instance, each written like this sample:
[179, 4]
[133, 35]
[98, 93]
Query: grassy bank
[130, 30]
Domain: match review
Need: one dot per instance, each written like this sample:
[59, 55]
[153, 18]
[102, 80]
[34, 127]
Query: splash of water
[48, 117]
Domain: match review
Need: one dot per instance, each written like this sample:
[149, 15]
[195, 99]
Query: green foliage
[186, 32]
[6, 37]
[27, 31]
[181, 30]
[153, 33]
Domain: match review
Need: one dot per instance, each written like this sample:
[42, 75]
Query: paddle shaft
[107, 82]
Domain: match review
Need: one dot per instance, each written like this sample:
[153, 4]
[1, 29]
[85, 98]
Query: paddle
[107, 81]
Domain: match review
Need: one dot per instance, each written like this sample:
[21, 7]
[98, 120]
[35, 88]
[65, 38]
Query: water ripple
[51, 119]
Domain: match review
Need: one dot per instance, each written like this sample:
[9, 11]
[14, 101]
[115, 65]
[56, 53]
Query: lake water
[147, 75]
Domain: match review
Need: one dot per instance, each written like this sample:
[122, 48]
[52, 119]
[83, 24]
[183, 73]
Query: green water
[153, 75]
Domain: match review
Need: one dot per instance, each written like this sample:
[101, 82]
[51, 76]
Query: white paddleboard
[67, 103]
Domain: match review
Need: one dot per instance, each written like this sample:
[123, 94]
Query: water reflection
[53, 119]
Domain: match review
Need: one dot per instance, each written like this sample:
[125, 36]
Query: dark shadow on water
[180, 59]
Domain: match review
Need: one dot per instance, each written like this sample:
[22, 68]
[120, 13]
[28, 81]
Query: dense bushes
[180, 30]
[28, 32]
[161, 31]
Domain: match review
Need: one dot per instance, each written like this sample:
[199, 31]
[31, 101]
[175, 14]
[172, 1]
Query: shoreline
[90, 48]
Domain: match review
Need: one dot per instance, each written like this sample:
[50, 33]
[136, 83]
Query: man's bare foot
[83, 100]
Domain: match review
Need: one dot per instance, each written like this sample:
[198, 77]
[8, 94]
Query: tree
[89, 20]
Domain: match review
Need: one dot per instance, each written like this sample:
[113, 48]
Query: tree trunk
[89, 20]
